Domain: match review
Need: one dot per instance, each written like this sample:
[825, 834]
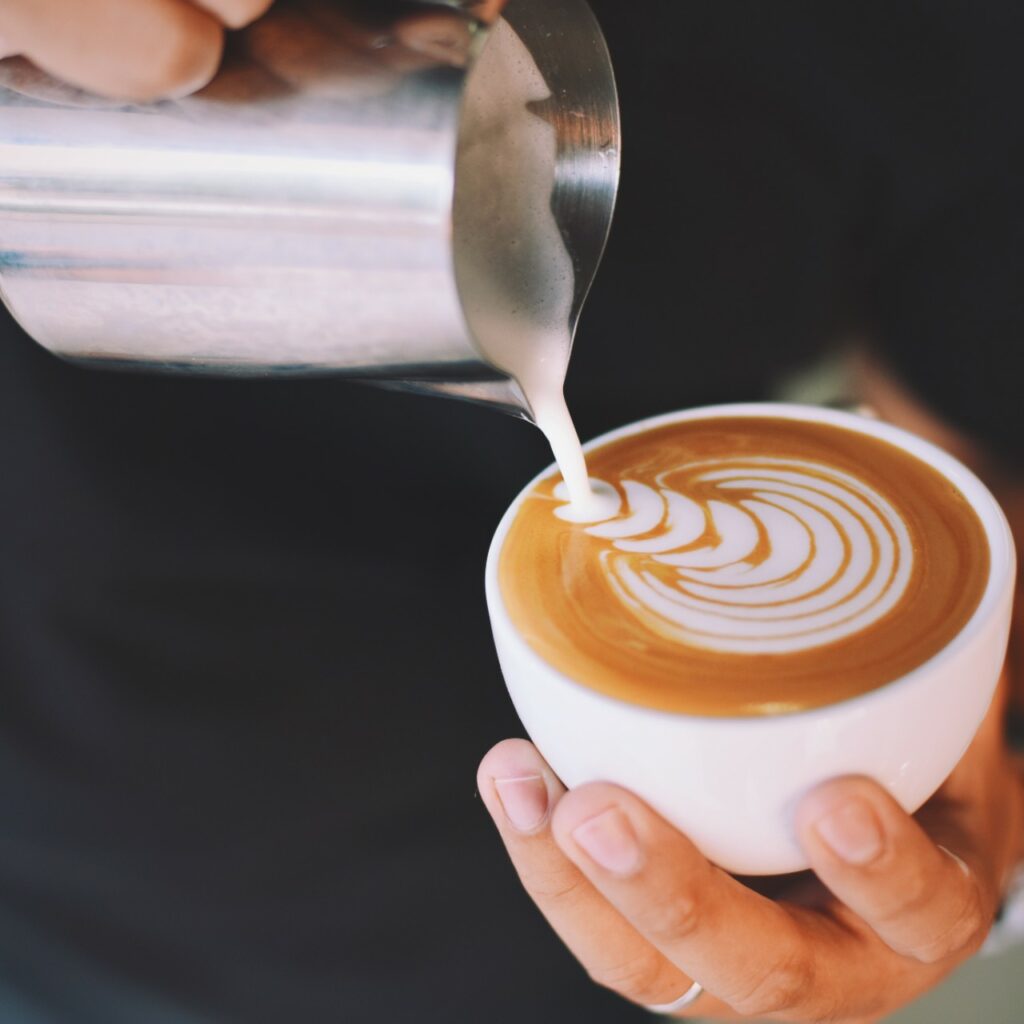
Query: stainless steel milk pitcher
[300, 214]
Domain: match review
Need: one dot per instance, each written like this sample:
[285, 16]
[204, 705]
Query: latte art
[747, 565]
[756, 555]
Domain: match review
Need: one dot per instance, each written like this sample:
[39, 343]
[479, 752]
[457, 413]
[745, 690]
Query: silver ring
[688, 998]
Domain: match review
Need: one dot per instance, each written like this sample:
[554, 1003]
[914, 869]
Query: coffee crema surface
[745, 566]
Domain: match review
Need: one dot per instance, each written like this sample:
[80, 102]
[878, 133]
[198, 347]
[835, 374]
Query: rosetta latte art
[754, 555]
[744, 565]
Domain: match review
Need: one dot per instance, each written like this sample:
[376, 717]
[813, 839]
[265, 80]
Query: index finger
[609, 949]
[124, 48]
[922, 898]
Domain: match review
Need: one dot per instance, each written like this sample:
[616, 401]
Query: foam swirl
[754, 555]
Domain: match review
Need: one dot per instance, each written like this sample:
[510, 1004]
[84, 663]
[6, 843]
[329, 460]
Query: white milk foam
[832, 555]
[512, 265]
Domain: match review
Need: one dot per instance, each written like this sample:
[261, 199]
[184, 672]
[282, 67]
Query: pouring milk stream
[510, 254]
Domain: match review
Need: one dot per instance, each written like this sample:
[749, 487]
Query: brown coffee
[754, 566]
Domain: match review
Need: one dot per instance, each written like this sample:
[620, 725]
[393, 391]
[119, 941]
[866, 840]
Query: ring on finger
[688, 998]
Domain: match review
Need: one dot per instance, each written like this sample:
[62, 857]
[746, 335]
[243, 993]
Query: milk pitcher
[408, 193]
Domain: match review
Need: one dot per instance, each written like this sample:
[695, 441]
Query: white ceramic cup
[731, 784]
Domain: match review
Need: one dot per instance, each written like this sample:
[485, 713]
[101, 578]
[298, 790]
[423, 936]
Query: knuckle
[917, 890]
[782, 990]
[186, 58]
[636, 979]
[670, 919]
[556, 888]
[966, 933]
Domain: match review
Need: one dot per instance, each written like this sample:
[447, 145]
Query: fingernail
[524, 799]
[609, 840]
[852, 832]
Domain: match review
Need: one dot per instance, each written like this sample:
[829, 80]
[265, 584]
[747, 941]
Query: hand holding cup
[896, 905]
[651, 790]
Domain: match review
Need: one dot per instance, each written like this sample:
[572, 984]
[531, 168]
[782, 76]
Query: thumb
[921, 899]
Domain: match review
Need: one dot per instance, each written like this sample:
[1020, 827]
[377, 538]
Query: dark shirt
[246, 672]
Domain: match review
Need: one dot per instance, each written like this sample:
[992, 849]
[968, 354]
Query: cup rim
[1002, 554]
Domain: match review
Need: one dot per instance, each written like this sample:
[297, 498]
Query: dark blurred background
[246, 672]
